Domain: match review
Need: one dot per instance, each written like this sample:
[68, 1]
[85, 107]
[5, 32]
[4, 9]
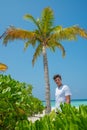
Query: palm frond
[54, 44]
[30, 42]
[34, 40]
[59, 45]
[2, 35]
[47, 19]
[74, 31]
[13, 33]
[70, 33]
[26, 45]
[38, 36]
[56, 29]
[37, 53]
[3, 67]
[30, 17]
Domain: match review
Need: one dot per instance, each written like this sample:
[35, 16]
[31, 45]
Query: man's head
[57, 78]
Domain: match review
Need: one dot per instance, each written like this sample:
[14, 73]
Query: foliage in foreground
[70, 118]
[16, 103]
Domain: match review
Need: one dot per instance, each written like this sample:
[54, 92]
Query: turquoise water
[75, 102]
[78, 102]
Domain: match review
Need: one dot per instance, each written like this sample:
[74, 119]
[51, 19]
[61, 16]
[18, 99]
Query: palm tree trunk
[47, 84]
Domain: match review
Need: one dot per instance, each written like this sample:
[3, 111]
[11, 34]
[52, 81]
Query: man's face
[58, 81]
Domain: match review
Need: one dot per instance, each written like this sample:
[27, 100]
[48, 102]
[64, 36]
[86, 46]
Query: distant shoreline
[71, 100]
[74, 102]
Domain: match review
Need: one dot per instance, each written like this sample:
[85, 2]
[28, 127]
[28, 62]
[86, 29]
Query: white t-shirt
[60, 94]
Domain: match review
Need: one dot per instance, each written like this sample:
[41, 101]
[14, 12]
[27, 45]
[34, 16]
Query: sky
[72, 68]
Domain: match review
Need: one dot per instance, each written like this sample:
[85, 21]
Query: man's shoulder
[65, 86]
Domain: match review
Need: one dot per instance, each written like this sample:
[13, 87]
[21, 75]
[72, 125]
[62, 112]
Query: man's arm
[67, 99]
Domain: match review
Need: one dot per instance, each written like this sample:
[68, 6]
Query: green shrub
[16, 103]
[69, 118]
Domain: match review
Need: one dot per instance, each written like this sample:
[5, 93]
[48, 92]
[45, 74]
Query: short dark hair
[57, 76]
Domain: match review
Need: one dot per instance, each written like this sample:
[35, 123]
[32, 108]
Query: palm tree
[45, 36]
[3, 67]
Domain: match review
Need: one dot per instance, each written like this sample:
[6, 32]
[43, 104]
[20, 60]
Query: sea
[74, 102]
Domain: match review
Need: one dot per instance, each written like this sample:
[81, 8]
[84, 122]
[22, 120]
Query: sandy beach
[38, 116]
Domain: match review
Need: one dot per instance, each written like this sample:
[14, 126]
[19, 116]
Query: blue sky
[73, 68]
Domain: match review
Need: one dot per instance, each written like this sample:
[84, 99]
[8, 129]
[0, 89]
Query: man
[62, 92]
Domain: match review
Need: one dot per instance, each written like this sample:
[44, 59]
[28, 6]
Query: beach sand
[38, 116]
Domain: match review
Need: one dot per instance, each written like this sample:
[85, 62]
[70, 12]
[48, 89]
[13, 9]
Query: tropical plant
[16, 103]
[69, 118]
[3, 67]
[45, 36]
